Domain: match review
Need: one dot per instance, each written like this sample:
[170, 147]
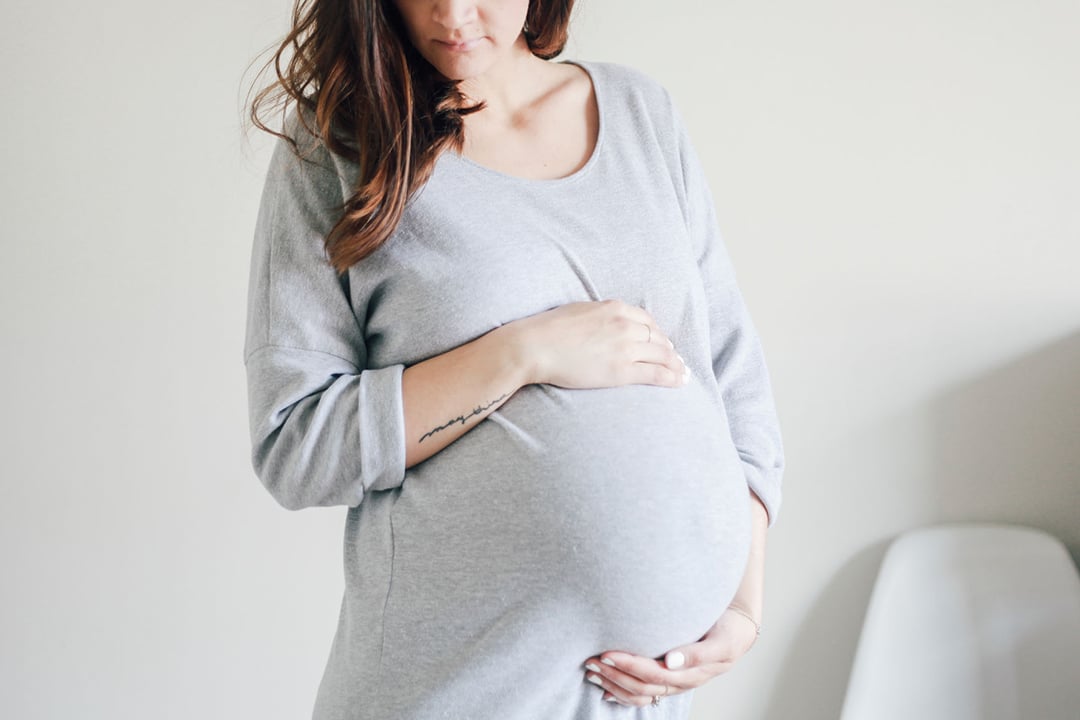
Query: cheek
[509, 14]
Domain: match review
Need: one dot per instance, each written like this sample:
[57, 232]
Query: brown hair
[378, 103]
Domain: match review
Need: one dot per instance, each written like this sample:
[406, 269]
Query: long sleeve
[738, 361]
[325, 428]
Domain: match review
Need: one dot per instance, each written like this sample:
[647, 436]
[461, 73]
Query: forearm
[750, 595]
[447, 395]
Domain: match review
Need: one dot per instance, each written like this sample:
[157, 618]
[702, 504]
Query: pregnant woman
[491, 313]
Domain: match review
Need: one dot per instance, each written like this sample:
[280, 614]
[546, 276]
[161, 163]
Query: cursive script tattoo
[462, 418]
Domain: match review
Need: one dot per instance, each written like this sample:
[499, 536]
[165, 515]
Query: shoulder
[636, 104]
[627, 84]
[627, 78]
[645, 119]
[299, 137]
[301, 158]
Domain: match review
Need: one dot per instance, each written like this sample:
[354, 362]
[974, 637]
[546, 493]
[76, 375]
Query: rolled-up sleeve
[737, 357]
[325, 427]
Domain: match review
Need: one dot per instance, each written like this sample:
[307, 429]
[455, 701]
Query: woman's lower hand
[634, 680]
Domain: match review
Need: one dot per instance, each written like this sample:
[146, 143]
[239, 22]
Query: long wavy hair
[378, 103]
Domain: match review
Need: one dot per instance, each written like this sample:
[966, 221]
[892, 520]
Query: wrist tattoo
[462, 418]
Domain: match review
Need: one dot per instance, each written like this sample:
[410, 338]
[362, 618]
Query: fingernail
[594, 679]
[675, 659]
[670, 344]
[593, 666]
[611, 698]
[686, 374]
[608, 661]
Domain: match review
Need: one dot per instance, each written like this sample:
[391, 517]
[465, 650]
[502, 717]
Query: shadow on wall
[1007, 445]
[810, 684]
[1004, 447]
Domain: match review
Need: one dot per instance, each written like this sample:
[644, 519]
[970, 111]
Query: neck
[510, 85]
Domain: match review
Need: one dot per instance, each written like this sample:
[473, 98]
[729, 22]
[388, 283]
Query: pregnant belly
[625, 509]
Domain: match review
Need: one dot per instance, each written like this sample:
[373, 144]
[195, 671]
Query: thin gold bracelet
[757, 625]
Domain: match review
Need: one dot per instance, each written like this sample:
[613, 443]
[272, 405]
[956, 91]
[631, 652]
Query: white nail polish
[608, 661]
[670, 344]
[675, 659]
[611, 699]
[686, 375]
[594, 679]
[593, 666]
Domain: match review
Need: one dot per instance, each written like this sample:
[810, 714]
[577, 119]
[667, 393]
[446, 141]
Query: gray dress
[568, 522]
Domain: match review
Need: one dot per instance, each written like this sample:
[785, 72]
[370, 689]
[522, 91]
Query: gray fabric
[568, 522]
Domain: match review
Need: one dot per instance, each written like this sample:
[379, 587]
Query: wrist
[511, 352]
[734, 607]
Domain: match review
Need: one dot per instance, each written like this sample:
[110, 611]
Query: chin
[455, 66]
[459, 70]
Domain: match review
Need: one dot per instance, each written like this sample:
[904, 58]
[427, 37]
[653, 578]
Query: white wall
[899, 184]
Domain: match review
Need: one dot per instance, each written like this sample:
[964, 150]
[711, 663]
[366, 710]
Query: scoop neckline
[576, 175]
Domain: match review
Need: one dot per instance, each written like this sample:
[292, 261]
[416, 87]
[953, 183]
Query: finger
[656, 336]
[676, 681]
[620, 694]
[632, 685]
[711, 648]
[697, 663]
[657, 364]
[647, 373]
[641, 329]
[639, 314]
[655, 672]
[643, 675]
[659, 354]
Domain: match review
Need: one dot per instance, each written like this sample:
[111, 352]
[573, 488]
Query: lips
[461, 44]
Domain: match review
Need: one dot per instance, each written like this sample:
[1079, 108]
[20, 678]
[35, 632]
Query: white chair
[970, 622]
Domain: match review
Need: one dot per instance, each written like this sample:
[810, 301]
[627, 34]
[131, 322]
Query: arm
[738, 361]
[447, 395]
[325, 427]
[750, 595]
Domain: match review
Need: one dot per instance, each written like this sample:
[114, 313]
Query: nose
[453, 14]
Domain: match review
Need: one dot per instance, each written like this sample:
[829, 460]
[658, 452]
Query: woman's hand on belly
[598, 344]
[634, 680]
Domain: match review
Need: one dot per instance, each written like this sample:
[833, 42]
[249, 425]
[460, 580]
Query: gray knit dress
[567, 523]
